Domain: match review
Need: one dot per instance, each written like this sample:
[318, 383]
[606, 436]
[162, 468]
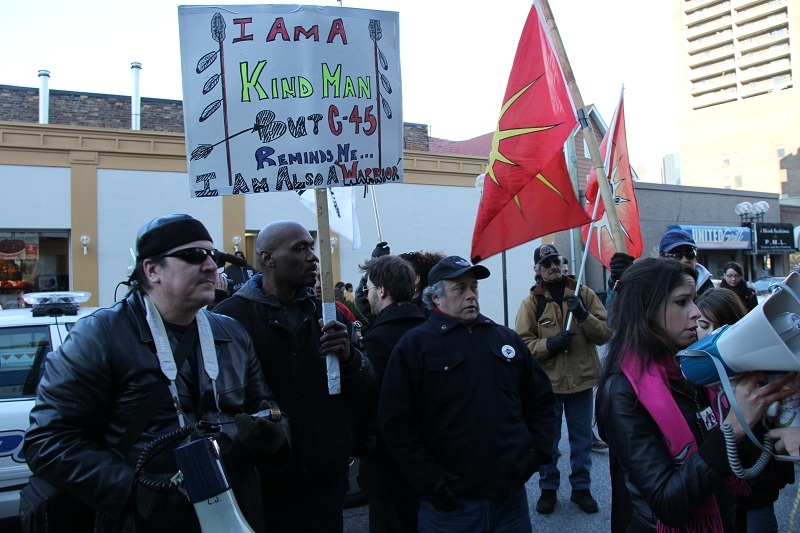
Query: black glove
[263, 437]
[619, 264]
[560, 342]
[441, 495]
[575, 306]
[160, 507]
[382, 248]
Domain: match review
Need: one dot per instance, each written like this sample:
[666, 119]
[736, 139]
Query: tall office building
[739, 116]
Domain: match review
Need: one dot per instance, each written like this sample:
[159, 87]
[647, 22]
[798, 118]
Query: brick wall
[415, 136]
[21, 104]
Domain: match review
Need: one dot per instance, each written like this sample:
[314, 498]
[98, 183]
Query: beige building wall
[739, 103]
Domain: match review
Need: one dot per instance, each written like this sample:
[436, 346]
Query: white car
[25, 340]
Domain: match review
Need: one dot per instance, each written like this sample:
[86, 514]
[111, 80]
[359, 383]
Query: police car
[27, 335]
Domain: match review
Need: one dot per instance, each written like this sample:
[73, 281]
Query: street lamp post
[751, 215]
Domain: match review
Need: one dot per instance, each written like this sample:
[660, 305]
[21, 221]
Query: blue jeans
[479, 516]
[577, 408]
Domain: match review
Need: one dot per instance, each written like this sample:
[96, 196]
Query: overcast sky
[455, 57]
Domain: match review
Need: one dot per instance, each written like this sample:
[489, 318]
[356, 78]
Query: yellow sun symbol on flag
[500, 135]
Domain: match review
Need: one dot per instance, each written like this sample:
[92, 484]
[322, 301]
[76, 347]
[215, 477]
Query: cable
[733, 455]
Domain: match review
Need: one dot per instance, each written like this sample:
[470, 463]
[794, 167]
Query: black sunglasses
[691, 254]
[551, 261]
[194, 256]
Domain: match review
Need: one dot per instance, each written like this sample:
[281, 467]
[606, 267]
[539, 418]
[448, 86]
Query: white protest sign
[289, 97]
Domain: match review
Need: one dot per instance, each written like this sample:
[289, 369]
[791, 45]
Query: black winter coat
[645, 483]
[379, 475]
[469, 400]
[93, 386]
[324, 427]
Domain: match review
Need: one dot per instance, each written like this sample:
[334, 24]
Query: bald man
[280, 311]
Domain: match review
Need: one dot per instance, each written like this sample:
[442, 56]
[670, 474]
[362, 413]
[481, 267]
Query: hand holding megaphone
[754, 399]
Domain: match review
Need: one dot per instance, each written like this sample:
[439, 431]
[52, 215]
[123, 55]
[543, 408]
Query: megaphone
[207, 487]
[767, 339]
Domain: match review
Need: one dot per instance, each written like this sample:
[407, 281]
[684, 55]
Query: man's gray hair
[437, 289]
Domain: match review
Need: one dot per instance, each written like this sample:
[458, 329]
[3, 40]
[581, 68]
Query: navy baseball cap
[674, 238]
[453, 266]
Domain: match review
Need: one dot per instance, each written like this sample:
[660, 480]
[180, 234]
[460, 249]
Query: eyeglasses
[691, 254]
[367, 288]
[551, 261]
[194, 256]
[733, 276]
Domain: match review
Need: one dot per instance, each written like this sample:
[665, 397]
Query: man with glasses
[569, 356]
[393, 504]
[279, 309]
[678, 244]
[158, 347]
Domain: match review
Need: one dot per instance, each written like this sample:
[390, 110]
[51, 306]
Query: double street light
[750, 215]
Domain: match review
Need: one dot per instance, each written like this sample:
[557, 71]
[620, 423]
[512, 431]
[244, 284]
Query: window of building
[32, 261]
[737, 182]
[726, 162]
[781, 151]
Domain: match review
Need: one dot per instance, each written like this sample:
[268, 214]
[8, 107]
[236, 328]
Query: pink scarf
[677, 435]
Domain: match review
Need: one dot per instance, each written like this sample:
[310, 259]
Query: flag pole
[375, 210]
[586, 127]
[326, 282]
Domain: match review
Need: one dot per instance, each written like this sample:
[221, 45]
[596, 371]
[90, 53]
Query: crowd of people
[450, 412]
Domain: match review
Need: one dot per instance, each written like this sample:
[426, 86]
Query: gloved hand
[159, 507]
[575, 306]
[560, 342]
[382, 248]
[262, 436]
[441, 495]
[619, 264]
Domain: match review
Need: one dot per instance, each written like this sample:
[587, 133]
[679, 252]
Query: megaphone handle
[726, 385]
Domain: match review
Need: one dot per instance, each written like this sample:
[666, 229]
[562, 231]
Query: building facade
[738, 93]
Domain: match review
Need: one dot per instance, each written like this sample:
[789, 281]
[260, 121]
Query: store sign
[23, 246]
[719, 237]
[774, 238]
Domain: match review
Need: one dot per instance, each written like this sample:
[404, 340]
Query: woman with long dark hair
[669, 469]
[734, 281]
[719, 308]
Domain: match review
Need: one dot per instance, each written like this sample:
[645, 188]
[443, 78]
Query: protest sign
[289, 97]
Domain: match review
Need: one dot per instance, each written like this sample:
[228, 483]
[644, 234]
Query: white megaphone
[207, 487]
[767, 338]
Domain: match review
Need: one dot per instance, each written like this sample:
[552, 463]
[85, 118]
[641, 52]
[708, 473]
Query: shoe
[597, 444]
[547, 501]
[584, 500]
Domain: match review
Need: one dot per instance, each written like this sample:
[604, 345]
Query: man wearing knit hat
[158, 356]
[569, 356]
[678, 244]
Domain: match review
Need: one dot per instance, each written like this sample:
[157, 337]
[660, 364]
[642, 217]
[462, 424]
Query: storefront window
[32, 261]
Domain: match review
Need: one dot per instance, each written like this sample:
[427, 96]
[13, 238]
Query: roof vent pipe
[136, 101]
[44, 97]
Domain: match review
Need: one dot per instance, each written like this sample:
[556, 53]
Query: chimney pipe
[136, 101]
[44, 97]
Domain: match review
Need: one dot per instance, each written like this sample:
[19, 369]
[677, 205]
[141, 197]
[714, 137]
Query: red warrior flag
[527, 190]
[620, 177]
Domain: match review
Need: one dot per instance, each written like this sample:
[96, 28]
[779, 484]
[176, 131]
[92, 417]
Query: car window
[22, 352]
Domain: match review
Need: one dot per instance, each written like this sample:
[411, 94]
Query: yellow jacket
[578, 368]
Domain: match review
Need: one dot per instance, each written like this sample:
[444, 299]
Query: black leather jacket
[93, 386]
[646, 484]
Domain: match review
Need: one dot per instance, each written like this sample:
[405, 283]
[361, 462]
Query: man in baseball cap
[678, 244]
[457, 362]
[569, 356]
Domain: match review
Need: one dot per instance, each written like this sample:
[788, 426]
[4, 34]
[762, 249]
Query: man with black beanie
[98, 380]
[569, 356]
